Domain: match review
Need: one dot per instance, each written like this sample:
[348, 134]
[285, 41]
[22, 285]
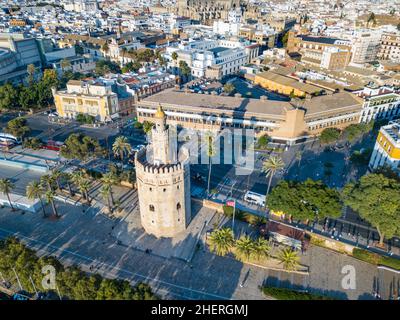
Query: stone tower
[163, 182]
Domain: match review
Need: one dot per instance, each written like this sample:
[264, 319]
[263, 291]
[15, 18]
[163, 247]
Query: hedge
[244, 216]
[288, 294]
[376, 259]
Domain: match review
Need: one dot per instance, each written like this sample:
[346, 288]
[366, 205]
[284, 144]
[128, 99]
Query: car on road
[255, 198]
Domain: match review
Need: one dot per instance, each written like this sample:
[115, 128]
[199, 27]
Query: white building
[379, 103]
[226, 55]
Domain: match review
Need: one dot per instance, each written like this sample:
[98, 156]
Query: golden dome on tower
[160, 114]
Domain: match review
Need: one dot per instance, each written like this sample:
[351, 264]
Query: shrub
[287, 294]
[375, 258]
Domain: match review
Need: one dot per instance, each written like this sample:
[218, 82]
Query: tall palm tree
[244, 248]
[105, 192]
[56, 175]
[34, 190]
[109, 179]
[47, 181]
[221, 241]
[261, 248]
[6, 187]
[84, 186]
[211, 152]
[67, 177]
[49, 195]
[270, 167]
[289, 259]
[121, 147]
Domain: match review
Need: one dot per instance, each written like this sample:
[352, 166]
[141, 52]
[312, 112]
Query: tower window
[151, 207]
[151, 189]
[178, 206]
[164, 189]
[177, 186]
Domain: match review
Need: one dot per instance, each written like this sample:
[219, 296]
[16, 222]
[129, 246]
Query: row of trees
[71, 282]
[222, 242]
[375, 197]
[350, 133]
[34, 95]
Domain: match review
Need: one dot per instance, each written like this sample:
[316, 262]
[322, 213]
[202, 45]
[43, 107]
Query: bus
[255, 198]
[8, 140]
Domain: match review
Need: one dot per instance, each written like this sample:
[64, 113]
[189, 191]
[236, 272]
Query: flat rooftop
[204, 102]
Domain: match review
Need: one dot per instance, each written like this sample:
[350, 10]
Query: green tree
[31, 69]
[47, 182]
[121, 147]
[289, 259]
[105, 191]
[174, 56]
[329, 135]
[263, 141]
[270, 167]
[34, 190]
[110, 179]
[244, 248]
[17, 127]
[376, 198]
[8, 97]
[184, 69]
[306, 200]
[221, 241]
[229, 88]
[81, 147]
[6, 186]
[261, 249]
[147, 126]
[355, 131]
[84, 187]
[49, 195]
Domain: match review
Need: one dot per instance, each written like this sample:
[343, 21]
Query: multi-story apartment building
[284, 121]
[100, 99]
[379, 103]
[390, 47]
[387, 147]
[365, 46]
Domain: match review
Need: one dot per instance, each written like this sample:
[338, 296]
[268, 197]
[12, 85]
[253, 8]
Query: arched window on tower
[151, 207]
[178, 206]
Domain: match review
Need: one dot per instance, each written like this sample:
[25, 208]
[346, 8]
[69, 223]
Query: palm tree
[244, 248]
[49, 195]
[211, 152]
[6, 187]
[84, 186]
[56, 175]
[67, 177]
[47, 181]
[109, 179]
[261, 248]
[289, 259]
[221, 241]
[121, 147]
[34, 190]
[270, 167]
[105, 191]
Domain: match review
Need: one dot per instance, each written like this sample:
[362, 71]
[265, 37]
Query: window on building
[151, 208]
